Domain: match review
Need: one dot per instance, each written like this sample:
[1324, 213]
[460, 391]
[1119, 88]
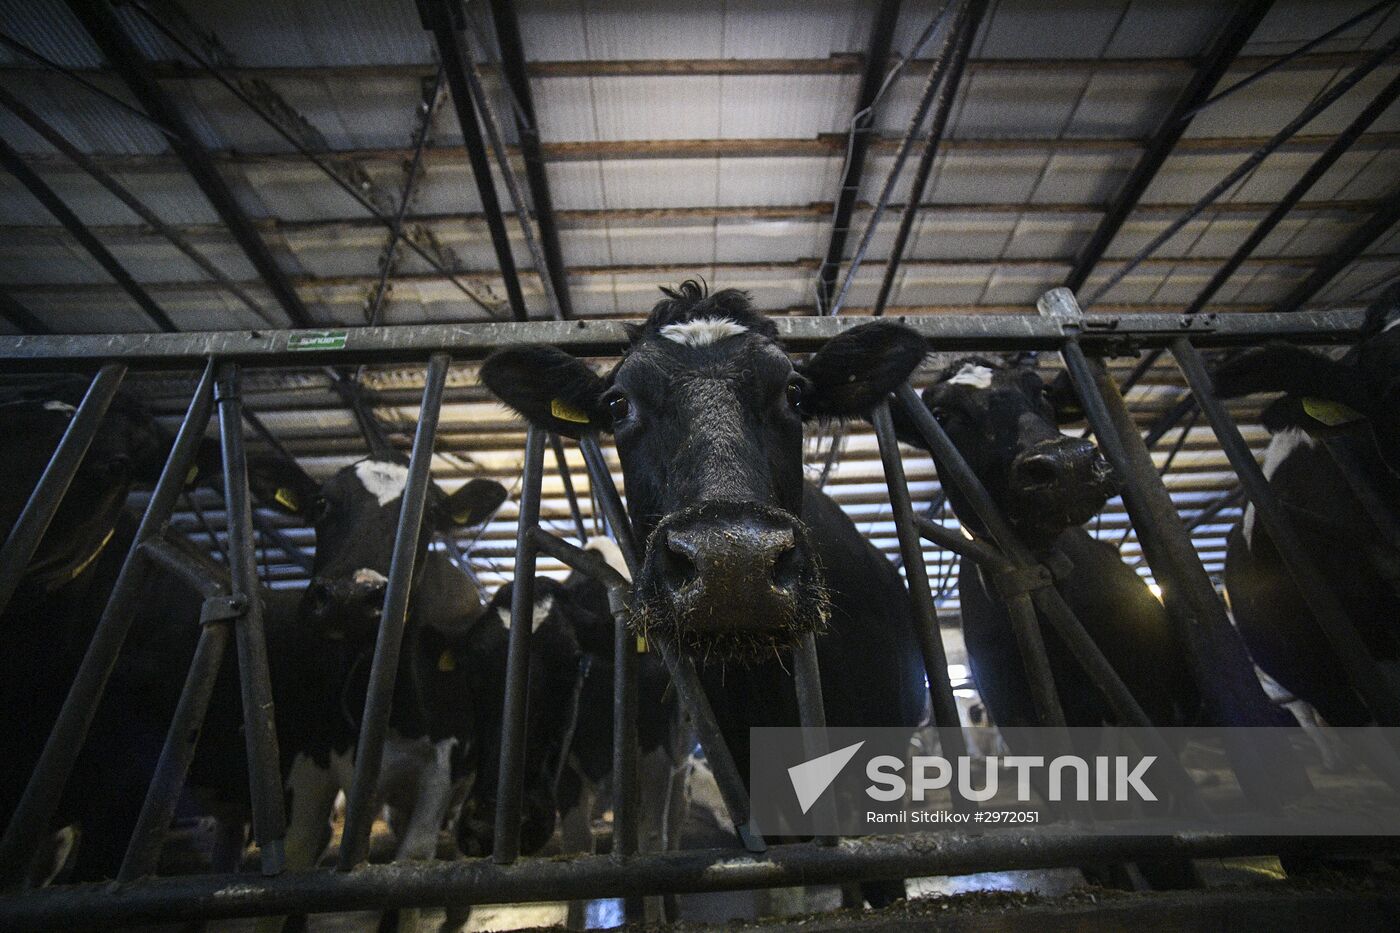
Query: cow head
[128, 448]
[707, 411]
[355, 514]
[1004, 418]
[1361, 390]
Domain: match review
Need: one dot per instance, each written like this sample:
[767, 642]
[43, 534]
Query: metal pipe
[510, 786]
[143, 850]
[566, 477]
[107, 31]
[1213, 65]
[480, 881]
[945, 708]
[254, 679]
[882, 31]
[513, 69]
[440, 17]
[1367, 679]
[811, 711]
[41, 795]
[379, 696]
[1221, 665]
[43, 503]
[954, 64]
[51, 202]
[408, 343]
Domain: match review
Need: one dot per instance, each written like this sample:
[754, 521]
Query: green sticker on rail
[317, 340]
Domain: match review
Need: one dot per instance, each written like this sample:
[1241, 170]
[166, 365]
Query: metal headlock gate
[1221, 665]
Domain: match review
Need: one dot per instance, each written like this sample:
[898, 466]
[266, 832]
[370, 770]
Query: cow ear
[1059, 392]
[474, 503]
[281, 485]
[858, 368]
[549, 388]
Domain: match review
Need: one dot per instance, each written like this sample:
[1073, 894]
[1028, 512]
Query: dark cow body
[742, 559]
[1047, 484]
[1354, 404]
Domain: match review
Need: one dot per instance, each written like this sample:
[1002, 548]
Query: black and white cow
[448, 669]
[742, 557]
[1047, 484]
[1352, 404]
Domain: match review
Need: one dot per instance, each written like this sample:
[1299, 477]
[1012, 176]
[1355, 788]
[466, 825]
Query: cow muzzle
[737, 581]
[342, 607]
[1060, 482]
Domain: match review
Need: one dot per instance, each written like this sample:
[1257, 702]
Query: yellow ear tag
[191, 473]
[461, 517]
[566, 412]
[642, 644]
[1329, 412]
[447, 661]
[286, 498]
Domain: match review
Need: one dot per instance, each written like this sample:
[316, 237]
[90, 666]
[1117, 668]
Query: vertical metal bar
[1367, 679]
[1224, 673]
[48, 493]
[863, 128]
[686, 681]
[945, 708]
[626, 813]
[510, 785]
[181, 739]
[374, 726]
[255, 682]
[811, 711]
[41, 796]
[566, 475]
[955, 472]
[440, 17]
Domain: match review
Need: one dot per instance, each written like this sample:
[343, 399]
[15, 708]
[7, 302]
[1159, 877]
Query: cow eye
[794, 394]
[318, 509]
[940, 414]
[619, 407]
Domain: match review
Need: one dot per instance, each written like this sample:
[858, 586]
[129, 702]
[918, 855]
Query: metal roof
[688, 139]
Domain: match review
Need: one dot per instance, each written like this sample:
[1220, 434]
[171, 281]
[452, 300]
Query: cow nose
[747, 554]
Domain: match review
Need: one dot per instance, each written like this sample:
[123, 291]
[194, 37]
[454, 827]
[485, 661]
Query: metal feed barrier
[1221, 666]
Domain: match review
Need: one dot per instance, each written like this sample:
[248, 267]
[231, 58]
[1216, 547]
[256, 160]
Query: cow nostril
[785, 567]
[1037, 471]
[679, 560]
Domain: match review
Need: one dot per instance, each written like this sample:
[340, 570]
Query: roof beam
[443, 19]
[862, 131]
[1350, 250]
[15, 165]
[1208, 74]
[106, 30]
[513, 67]
[20, 316]
[836, 64]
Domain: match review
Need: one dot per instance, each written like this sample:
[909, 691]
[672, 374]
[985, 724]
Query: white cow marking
[382, 479]
[542, 608]
[60, 406]
[1281, 447]
[611, 553]
[368, 575]
[702, 332]
[973, 374]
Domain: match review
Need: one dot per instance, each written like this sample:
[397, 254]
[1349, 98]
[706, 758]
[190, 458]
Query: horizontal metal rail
[481, 881]
[412, 343]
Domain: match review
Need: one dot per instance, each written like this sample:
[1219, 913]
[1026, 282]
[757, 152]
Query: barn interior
[222, 166]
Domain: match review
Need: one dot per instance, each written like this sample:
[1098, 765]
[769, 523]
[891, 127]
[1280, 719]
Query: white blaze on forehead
[611, 553]
[382, 479]
[541, 612]
[702, 332]
[60, 406]
[368, 575]
[972, 374]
